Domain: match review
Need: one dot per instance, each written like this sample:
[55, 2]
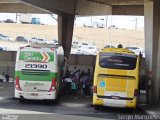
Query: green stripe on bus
[51, 55]
[36, 77]
[36, 56]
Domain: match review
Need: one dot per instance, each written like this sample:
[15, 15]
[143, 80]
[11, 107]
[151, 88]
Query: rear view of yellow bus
[116, 78]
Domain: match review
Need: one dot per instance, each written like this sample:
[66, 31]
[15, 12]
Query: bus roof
[121, 50]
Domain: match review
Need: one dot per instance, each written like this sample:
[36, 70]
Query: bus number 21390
[36, 66]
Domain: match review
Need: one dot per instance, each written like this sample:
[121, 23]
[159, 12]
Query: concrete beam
[10, 1]
[19, 8]
[61, 7]
[156, 53]
[148, 17]
[152, 49]
[119, 2]
[84, 7]
[128, 10]
[65, 33]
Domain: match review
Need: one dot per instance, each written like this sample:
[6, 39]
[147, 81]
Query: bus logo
[102, 84]
[37, 56]
[36, 66]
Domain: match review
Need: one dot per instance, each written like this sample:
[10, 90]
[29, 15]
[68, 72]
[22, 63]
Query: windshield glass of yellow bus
[117, 61]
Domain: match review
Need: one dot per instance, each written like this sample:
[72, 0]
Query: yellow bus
[116, 78]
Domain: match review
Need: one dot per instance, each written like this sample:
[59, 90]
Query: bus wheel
[51, 102]
[21, 100]
[132, 110]
[96, 107]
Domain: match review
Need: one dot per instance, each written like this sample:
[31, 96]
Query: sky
[126, 22]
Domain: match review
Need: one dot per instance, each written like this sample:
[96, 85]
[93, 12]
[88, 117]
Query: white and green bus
[36, 73]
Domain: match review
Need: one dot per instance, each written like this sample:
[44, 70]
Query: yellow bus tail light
[94, 89]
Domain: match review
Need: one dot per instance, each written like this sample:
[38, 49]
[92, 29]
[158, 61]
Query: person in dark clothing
[82, 73]
[120, 46]
[140, 57]
[7, 77]
[88, 91]
[68, 85]
[89, 72]
[67, 74]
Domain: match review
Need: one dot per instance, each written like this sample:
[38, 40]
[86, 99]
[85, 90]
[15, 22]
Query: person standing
[7, 77]
[89, 72]
[140, 57]
[120, 46]
[68, 82]
[74, 89]
[85, 81]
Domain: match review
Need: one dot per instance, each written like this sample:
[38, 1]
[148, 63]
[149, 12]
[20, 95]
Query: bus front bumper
[114, 102]
[36, 95]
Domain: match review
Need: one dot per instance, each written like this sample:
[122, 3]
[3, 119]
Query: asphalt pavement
[68, 108]
[12, 106]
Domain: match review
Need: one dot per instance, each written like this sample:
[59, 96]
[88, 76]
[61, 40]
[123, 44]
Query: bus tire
[96, 107]
[52, 102]
[21, 100]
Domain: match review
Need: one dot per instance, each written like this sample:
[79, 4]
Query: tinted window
[117, 61]
[91, 48]
[40, 39]
[84, 44]
[1, 49]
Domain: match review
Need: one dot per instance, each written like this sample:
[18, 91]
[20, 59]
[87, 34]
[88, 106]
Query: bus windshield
[117, 61]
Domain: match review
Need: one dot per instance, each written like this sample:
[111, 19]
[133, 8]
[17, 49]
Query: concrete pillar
[65, 33]
[152, 50]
